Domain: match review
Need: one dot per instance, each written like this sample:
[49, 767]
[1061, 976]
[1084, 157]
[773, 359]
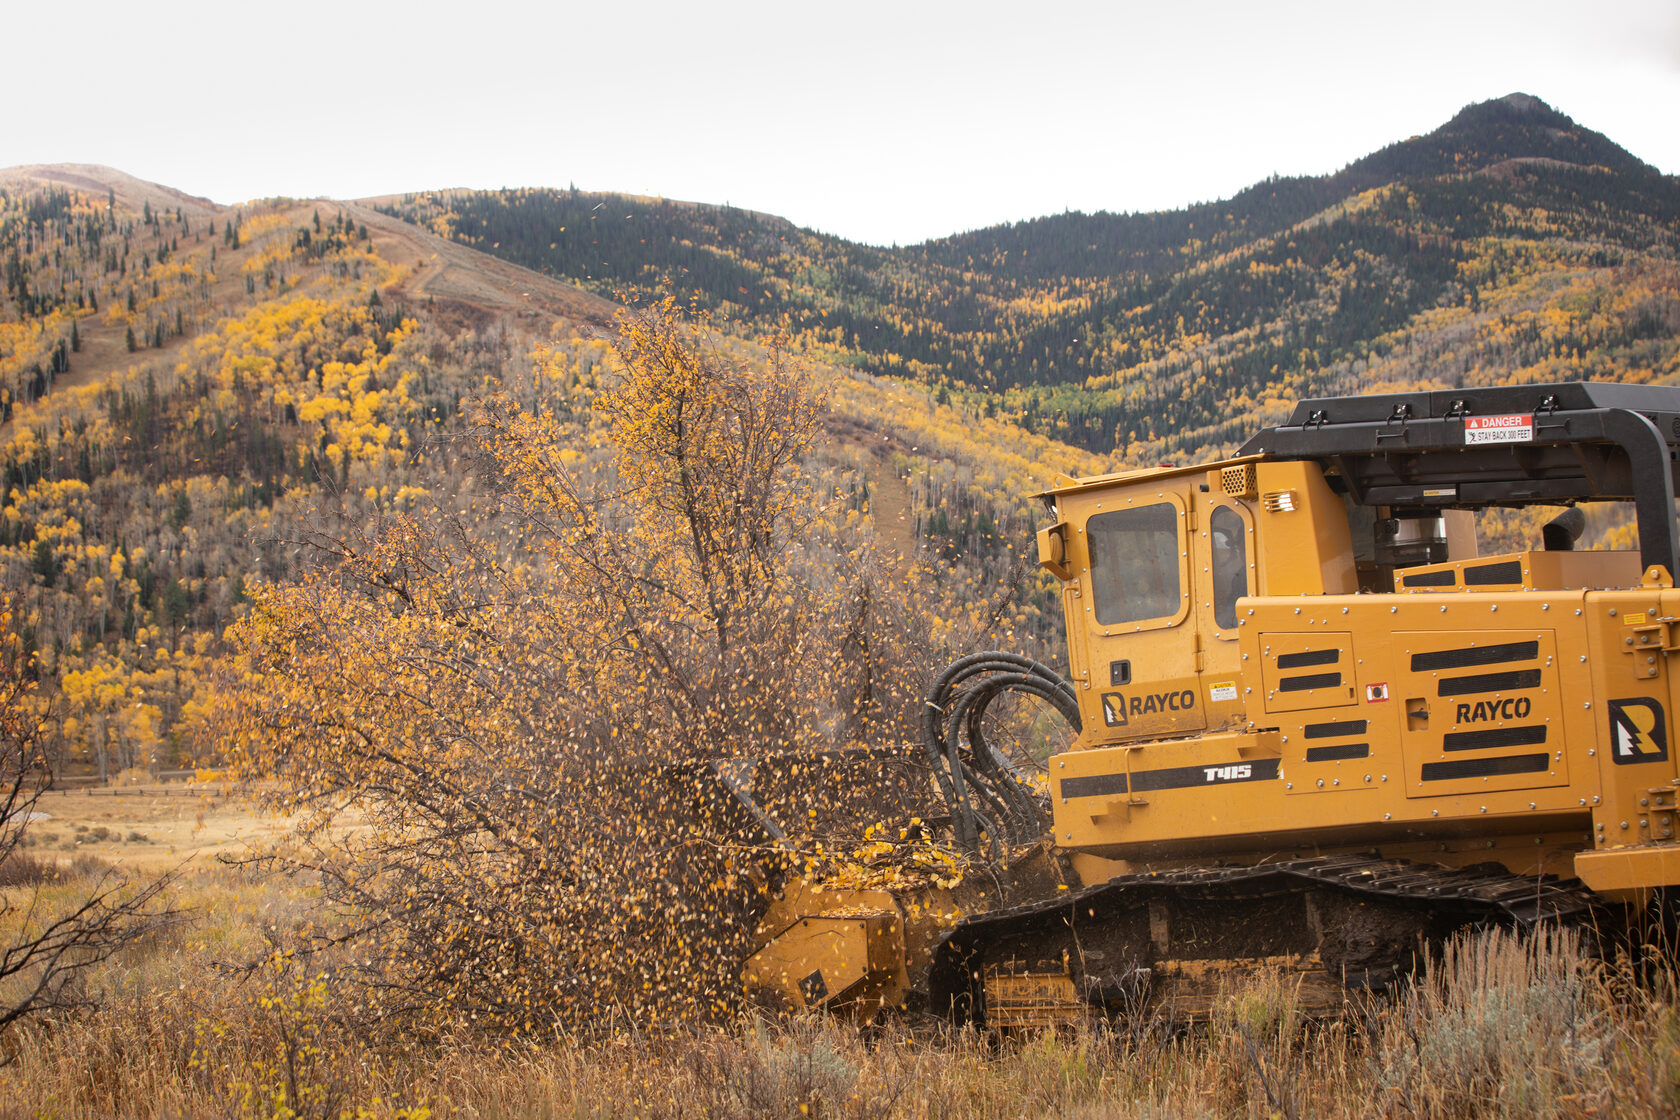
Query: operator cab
[1362, 494]
[1154, 564]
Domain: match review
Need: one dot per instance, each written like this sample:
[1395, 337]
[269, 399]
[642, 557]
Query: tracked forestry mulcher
[1319, 729]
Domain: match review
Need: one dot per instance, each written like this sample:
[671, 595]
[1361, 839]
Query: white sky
[880, 121]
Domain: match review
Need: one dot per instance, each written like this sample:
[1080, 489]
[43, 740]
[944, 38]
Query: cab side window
[1230, 564]
[1135, 569]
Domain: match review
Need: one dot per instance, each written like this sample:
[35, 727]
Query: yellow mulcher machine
[1319, 730]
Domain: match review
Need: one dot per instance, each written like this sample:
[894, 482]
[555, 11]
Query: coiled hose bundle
[985, 797]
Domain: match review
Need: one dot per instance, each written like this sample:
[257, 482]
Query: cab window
[1135, 570]
[1230, 564]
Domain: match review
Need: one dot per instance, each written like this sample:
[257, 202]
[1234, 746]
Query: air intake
[1239, 482]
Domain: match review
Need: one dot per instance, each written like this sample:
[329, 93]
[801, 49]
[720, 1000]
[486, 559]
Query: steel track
[1435, 900]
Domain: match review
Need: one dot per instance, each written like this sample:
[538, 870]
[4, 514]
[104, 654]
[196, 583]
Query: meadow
[212, 1018]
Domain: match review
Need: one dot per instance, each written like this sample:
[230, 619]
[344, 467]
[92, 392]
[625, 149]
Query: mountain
[1490, 134]
[189, 391]
[1440, 259]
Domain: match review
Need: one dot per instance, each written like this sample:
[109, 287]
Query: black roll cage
[1589, 441]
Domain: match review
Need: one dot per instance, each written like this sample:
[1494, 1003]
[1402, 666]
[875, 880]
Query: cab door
[1136, 599]
[1222, 571]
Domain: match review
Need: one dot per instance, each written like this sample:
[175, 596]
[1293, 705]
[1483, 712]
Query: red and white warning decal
[1518, 427]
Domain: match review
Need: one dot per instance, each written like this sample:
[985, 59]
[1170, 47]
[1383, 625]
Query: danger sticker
[1518, 427]
[1223, 690]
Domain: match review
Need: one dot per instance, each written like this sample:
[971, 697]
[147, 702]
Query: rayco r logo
[1118, 708]
[1637, 731]
[1516, 707]
[1229, 773]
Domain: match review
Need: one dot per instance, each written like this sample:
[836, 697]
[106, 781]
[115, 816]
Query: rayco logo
[1516, 707]
[1118, 708]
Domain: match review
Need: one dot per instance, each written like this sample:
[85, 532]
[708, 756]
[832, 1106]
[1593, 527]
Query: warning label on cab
[1518, 427]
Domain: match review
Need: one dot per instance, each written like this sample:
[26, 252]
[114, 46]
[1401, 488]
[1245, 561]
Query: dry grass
[1501, 1028]
[147, 828]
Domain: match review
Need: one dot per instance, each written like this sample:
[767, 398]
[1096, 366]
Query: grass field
[147, 828]
[208, 1020]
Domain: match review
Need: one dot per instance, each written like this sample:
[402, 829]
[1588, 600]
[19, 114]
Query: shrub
[521, 703]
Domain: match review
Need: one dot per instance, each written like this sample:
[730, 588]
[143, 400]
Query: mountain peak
[1517, 126]
[1521, 110]
[1525, 103]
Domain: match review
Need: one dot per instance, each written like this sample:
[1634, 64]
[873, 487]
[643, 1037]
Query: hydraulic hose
[980, 788]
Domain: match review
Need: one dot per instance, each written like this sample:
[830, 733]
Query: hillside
[1509, 244]
[116, 188]
[187, 391]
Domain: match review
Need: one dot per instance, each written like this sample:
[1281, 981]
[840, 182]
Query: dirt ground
[149, 827]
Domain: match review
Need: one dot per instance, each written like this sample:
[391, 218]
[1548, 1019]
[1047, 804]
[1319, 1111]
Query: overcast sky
[882, 122]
